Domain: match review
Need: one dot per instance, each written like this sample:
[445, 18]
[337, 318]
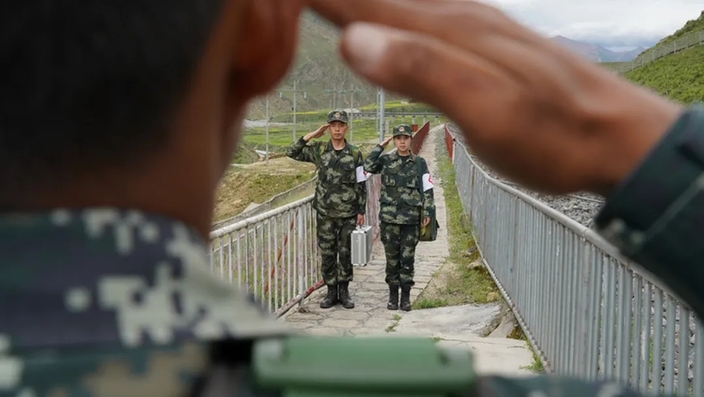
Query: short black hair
[86, 84]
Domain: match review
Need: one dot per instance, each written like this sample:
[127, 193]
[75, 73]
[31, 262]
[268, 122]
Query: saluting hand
[317, 133]
[529, 108]
[386, 141]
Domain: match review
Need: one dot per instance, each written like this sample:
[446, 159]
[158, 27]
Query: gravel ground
[581, 207]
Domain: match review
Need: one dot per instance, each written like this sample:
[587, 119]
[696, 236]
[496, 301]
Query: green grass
[244, 155]
[693, 25]
[239, 188]
[319, 116]
[464, 283]
[678, 76]
[536, 366]
[399, 106]
[281, 136]
[363, 133]
[392, 327]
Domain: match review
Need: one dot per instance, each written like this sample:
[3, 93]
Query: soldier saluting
[340, 201]
[404, 199]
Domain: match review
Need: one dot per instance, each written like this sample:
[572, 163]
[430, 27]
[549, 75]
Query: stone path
[455, 327]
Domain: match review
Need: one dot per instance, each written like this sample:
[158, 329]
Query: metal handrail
[585, 309]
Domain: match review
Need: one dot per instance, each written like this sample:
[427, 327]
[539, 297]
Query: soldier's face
[402, 142]
[338, 129]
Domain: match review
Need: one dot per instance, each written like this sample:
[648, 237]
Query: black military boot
[345, 299]
[393, 298]
[406, 298]
[330, 299]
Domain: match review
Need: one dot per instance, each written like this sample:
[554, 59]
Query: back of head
[91, 85]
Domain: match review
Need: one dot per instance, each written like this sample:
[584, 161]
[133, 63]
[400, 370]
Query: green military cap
[403, 129]
[337, 115]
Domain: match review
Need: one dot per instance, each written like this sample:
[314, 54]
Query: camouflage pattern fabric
[105, 302]
[338, 115]
[333, 238]
[400, 197]
[403, 129]
[341, 190]
[400, 243]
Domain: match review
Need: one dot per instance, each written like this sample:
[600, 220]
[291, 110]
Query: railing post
[589, 314]
[300, 257]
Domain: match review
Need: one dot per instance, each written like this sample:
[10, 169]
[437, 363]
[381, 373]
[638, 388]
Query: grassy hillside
[318, 116]
[257, 183]
[679, 76]
[363, 132]
[317, 68]
[694, 25]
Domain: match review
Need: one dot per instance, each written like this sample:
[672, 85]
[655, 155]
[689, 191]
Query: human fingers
[470, 90]
[471, 26]
[270, 40]
[459, 22]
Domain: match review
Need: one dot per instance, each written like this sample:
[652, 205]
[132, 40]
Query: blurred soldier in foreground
[406, 201]
[340, 201]
[116, 127]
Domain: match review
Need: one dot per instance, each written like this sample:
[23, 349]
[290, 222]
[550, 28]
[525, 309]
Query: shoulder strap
[319, 150]
[355, 153]
[420, 176]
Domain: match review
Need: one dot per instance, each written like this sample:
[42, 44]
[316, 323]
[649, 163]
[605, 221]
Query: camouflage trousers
[333, 238]
[400, 246]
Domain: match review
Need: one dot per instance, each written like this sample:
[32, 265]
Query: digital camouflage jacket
[401, 186]
[341, 190]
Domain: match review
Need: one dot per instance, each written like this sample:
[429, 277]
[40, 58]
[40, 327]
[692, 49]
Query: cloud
[611, 23]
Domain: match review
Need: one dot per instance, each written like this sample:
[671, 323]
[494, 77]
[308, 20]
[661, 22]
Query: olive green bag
[429, 232]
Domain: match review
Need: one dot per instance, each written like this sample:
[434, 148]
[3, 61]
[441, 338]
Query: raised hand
[529, 108]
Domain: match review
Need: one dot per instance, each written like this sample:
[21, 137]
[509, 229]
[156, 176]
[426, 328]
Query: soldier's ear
[268, 44]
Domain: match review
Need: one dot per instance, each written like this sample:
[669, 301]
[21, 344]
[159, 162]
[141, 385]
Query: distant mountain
[597, 53]
[319, 72]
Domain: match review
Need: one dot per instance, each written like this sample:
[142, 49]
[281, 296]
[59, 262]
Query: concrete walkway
[456, 327]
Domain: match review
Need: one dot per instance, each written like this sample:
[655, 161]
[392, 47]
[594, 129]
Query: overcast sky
[615, 24]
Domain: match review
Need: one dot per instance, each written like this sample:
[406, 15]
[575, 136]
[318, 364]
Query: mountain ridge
[595, 52]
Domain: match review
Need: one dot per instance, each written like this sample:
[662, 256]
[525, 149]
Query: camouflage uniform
[108, 302]
[340, 195]
[400, 213]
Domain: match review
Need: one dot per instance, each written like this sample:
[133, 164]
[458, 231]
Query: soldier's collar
[345, 149]
[396, 156]
[116, 277]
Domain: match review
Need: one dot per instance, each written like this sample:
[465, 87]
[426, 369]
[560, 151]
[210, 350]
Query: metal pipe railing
[585, 309]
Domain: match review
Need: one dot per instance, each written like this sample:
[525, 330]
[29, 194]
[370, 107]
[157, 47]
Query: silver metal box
[361, 245]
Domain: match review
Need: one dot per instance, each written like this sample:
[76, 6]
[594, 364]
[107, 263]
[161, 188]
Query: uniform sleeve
[373, 163]
[428, 192]
[361, 187]
[655, 214]
[553, 386]
[303, 151]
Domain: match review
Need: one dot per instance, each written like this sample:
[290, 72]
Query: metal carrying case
[361, 245]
